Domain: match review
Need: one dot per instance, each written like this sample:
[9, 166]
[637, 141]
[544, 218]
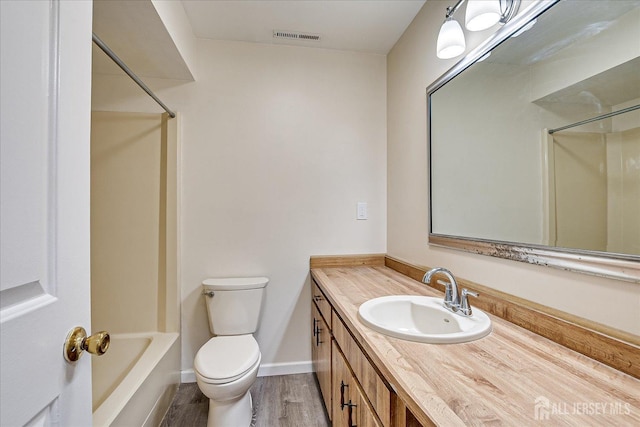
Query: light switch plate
[362, 210]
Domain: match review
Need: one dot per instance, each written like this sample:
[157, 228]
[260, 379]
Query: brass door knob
[77, 342]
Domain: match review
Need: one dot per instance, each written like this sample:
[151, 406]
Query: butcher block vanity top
[512, 377]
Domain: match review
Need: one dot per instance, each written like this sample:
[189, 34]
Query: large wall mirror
[534, 141]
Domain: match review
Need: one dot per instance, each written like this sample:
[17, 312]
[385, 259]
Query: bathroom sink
[422, 319]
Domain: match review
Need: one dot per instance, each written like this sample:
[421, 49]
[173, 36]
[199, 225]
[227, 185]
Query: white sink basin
[423, 319]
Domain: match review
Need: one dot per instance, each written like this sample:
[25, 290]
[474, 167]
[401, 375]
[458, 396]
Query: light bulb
[450, 40]
[482, 14]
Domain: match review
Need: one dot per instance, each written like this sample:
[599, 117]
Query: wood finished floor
[278, 401]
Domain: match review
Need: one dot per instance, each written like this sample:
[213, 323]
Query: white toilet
[227, 365]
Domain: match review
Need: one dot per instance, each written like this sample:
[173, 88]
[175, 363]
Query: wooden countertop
[512, 377]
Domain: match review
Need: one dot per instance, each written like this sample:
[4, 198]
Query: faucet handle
[448, 293]
[465, 308]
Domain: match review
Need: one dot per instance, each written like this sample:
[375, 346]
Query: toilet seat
[224, 359]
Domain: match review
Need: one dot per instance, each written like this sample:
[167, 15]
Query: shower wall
[128, 222]
[580, 190]
[597, 190]
[623, 167]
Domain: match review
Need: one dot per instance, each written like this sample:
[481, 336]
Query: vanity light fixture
[480, 15]
[450, 39]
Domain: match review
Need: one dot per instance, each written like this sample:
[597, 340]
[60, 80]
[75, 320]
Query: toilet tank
[234, 304]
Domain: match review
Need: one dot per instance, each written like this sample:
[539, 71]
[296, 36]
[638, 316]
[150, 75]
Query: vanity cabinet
[353, 392]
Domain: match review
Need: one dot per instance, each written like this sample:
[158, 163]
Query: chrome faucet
[451, 297]
[454, 301]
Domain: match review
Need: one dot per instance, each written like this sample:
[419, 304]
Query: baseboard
[187, 376]
[265, 370]
[271, 369]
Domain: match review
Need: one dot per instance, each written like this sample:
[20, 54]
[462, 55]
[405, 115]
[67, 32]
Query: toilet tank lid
[235, 283]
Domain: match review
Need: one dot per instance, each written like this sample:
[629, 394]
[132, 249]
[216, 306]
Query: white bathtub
[134, 382]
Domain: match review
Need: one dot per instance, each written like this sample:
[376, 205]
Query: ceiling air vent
[295, 35]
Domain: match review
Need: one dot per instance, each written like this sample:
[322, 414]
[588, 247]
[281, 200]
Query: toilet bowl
[226, 368]
[227, 365]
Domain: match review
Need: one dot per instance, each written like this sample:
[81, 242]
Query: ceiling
[361, 25]
[135, 32]
[578, 24]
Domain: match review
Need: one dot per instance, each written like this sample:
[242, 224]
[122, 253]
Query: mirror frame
[604, 264]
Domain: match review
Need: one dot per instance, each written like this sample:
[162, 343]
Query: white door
[45, 75]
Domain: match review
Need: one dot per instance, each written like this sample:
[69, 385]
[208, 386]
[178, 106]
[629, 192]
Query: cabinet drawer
[321, 301]
[374, 388]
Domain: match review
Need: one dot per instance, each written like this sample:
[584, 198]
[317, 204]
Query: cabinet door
[361, 415]
[371, 383]
[315, 318]
[321, 355]
[350, 406]
[341, 379]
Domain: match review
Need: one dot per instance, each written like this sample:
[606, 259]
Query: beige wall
[411, 67]
[279, 143]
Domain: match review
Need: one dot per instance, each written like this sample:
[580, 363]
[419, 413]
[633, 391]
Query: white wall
[279, 143]
[412, 66]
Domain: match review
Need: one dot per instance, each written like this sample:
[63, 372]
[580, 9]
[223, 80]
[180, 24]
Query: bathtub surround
[139, 390]
[135, 205]
[125, 219]
[134, 286]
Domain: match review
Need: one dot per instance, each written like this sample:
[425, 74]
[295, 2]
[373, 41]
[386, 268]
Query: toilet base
[231, 413]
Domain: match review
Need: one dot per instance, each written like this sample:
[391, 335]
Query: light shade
[450, 40]
[482, 14]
